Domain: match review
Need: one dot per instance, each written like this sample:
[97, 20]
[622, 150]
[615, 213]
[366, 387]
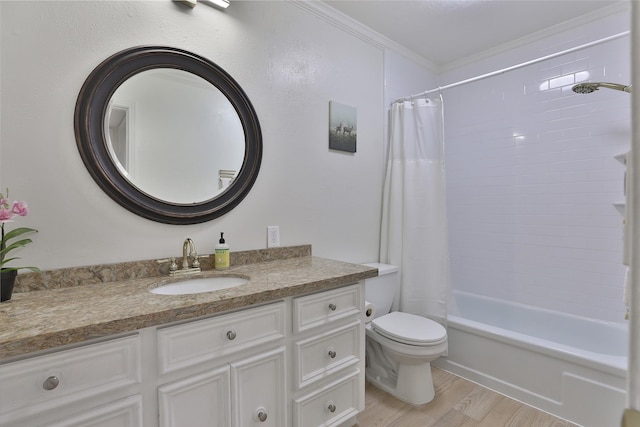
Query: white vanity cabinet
[96, 385]
[328, 357]
[239, 365]
[295, 362]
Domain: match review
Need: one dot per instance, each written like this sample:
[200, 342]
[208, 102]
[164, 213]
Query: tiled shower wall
[532, 183]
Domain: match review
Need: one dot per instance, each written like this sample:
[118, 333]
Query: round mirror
[168, 134]
[170, 129]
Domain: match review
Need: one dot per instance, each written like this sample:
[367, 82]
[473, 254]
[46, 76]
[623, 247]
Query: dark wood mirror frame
[89, 120]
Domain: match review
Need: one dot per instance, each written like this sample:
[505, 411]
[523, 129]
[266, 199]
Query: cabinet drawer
[324, 354]
[203, 340]
[329, 406]
[319, 309]
[50, 381]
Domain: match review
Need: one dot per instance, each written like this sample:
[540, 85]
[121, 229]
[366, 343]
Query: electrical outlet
[273, 236]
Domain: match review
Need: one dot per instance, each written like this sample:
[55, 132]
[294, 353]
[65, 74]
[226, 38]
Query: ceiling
[445, 32]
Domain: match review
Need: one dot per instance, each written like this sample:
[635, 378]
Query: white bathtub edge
[583, 391]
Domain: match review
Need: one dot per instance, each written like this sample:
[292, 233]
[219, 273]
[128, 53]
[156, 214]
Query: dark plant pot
[7, 280]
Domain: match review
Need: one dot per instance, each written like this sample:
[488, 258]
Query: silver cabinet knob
[331, 407]
[332, 354]
[51, 383]
[231, 335]
[332, 307]
[261, 414]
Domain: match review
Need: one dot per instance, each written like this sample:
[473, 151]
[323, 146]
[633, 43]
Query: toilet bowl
[400, 346]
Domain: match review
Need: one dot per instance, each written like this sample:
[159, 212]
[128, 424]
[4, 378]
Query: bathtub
[570, 366]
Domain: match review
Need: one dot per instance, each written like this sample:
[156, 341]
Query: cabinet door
[122, 413]
[200, 400]
[259, 390]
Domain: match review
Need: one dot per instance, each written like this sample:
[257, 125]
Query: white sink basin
[199, 285]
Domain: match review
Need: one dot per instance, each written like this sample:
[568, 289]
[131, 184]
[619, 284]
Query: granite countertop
[45, 319]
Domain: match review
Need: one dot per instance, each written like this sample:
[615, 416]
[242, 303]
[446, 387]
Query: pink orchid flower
[20, 208]
[11, 240]
[5, 214]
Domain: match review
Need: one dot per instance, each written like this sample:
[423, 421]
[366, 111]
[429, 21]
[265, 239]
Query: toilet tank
[380, 291]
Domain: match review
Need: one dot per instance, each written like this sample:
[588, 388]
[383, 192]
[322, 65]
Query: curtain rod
[515, 67]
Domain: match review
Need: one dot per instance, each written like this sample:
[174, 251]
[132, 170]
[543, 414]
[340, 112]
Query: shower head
[591, 87]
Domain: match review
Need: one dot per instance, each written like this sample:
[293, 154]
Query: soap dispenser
[221, 258]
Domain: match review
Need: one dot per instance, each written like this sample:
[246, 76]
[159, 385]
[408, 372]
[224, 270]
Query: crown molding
[359, 30]
[617, 7]
[345, 23]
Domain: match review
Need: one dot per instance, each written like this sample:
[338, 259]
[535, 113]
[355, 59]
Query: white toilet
[400, 346]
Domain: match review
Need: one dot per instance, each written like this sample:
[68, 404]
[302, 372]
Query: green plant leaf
[6, 247]
[14, 245]
[17, 232]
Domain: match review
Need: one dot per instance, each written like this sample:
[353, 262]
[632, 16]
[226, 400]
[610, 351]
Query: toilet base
[414, 384]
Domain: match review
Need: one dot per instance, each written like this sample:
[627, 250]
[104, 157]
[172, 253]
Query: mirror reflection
[174, 136]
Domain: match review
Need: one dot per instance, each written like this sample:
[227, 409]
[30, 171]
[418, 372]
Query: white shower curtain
[414, 221]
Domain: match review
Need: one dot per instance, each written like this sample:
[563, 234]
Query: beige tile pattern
[458, 403]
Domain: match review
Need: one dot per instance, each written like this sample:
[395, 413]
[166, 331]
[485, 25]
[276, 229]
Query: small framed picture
[343, 130]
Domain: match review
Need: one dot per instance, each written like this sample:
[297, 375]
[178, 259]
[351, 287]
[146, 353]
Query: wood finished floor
[458, 403]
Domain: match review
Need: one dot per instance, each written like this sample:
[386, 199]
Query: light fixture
[223, 4]
[190, 3]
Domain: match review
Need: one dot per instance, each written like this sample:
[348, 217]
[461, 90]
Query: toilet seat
[409, 329]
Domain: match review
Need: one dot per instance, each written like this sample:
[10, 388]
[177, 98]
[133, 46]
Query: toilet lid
[409, 328]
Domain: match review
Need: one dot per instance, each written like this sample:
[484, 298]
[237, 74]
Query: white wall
[403, 76]
[531, 174]
[531, 219]
[291, 64]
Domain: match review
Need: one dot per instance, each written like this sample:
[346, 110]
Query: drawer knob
[332, 307]
[332, 354]
[231, 335]
[261, 414]
[331, 407]
[51, 383]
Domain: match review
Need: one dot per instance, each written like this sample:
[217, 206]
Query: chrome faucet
[188, 244]
[188, 251]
